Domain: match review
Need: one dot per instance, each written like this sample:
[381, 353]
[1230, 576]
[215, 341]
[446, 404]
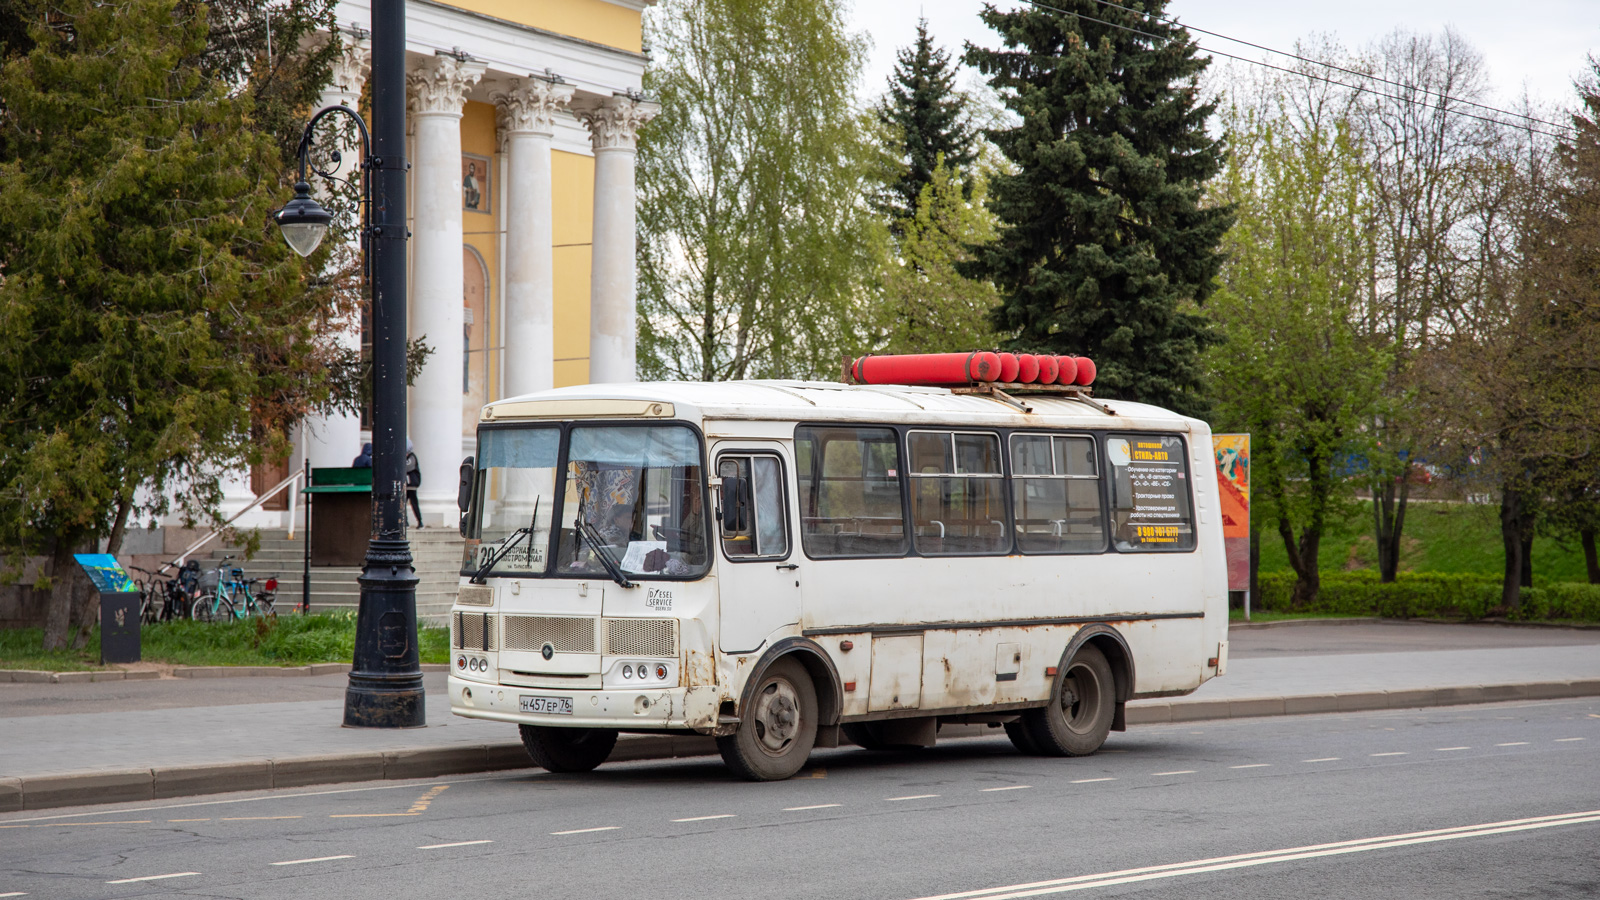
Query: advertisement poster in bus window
[1152, 492]
[1233, 484]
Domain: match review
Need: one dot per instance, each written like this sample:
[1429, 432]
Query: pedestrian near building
[413, 480]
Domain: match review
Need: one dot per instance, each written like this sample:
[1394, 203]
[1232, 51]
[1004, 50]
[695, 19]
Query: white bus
[777, 563]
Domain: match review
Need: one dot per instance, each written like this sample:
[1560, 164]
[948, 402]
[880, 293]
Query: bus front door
[758, 576]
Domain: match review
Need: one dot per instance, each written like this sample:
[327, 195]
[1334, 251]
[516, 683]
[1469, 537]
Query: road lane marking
[1513, 744]
[1179, 772]
[455, 844]
[912, 797]
[373, 815]
[421, 806]
[1390, 753]
[706, 818]
[152, 877]
[818, 806]
[188, 820]
[1447, 749]
[1252, 766]
[1009, 787]
[15, 894]
[131, 822]
[588, 830]
[256, 818]
[1246, 860]
[1322, 759]
[298, 862]
[1563, 740]
[1090, 780]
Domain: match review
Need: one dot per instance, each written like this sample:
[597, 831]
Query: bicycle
[217, 594]
[150, 590]
[261, 602]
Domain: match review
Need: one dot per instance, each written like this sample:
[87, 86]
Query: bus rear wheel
[567, 749]
[1081, 706]
[777, 729]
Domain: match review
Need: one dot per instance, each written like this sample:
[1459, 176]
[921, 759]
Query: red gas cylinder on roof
[928, 368]
[1028, 373]
[1085, 371]
[1048, 369]
[1010, 364]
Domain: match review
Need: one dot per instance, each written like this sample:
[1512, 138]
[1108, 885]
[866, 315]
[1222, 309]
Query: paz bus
[785, 564]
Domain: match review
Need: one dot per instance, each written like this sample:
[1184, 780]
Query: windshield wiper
[600, 552]
[511, 542]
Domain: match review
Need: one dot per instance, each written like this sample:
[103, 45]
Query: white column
[334, 440]
[527, 118]
[438, 92]
[613, 285]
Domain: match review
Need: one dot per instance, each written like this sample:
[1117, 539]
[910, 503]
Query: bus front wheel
[778, 727]
[567, 749]
[1081, 706]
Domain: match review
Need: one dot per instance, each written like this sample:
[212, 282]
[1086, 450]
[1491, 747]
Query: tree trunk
[1511, 538]
[1303, 559]
[1590, 560]
[58, 612]
[1526, 572]
[86, 606]
[1389, 510]
[1255, 566]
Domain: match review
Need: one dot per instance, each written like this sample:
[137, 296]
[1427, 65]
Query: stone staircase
[437, 552]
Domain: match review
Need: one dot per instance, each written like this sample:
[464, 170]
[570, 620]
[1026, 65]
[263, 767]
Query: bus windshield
[635, 493]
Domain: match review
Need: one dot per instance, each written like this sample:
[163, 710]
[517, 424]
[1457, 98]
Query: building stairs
[436, 551]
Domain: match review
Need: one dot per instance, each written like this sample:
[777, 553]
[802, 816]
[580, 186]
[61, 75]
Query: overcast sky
[1542, 44]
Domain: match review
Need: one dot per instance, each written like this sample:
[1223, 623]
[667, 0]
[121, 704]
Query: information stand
[119, 607]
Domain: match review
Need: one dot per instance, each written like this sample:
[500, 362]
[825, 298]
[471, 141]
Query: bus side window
[1055, 488]
[850, 492]
[1150, 499]
[764, 529]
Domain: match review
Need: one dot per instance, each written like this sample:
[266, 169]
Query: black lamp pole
[385, 689]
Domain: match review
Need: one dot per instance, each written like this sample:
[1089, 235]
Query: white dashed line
[587, 830]
[1390, 753]
[152, 877]
[912, 797]
[1447, 749]
[1090, 780]
[706, 818]
[298, 862]
[15, 894]
[1252, 766]
[456, 844]
[818, 806]
[1179, 772]
[1009, 787]
[1563, 740]
[1323, 759]
[1513, 744]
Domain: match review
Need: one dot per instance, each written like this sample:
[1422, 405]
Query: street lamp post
[385, 689]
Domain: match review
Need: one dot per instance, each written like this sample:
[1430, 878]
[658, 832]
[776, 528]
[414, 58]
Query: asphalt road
[1460, 802]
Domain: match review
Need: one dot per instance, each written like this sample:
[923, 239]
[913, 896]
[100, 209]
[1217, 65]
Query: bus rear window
[1150, 499]
[850, 492]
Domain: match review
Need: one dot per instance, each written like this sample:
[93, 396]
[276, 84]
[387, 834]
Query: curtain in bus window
[957, 493]
[1056, 494]
[1150, 493]
[638, 489]
[772, 532]
[850, 501]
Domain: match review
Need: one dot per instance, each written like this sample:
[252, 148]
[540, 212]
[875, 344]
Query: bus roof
[822, 401]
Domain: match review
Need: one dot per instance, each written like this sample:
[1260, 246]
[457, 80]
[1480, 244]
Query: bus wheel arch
[824, 676]
[1114, 648]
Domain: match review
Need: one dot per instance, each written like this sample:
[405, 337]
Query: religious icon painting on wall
[475, 183]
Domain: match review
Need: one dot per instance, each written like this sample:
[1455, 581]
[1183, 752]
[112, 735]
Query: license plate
[550, 706]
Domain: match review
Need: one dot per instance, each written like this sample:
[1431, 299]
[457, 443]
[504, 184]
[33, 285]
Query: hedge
[1431, 595]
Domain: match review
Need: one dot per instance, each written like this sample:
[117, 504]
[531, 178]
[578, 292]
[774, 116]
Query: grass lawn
[289, 640]
[1236, 616]
[1438, 537]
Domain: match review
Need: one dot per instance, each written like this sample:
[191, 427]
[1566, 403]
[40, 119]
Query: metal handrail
[276, 489]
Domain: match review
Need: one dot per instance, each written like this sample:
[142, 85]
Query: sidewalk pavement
[102, 742]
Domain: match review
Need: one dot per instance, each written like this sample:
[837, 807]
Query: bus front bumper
[642, 710]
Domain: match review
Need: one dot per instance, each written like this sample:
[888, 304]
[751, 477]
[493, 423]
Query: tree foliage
[927, 124]
[1104, 247]
[154, 328]
[752, 231]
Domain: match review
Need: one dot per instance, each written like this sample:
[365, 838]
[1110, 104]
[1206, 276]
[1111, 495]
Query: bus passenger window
[850, 503]
[765, 532]
[957, 493]
[1055, 489]
[1150, 492]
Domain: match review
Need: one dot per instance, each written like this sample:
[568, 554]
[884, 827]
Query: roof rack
[1004, 391]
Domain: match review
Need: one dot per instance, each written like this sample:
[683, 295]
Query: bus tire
[777, 729]
[864, 736]
[1022, 739]
[1081, 706]
[567, 749]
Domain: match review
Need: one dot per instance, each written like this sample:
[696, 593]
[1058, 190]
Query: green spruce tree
[1104, 245]
[927, 121]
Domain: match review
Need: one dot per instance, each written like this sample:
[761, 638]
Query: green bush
[1429, 595]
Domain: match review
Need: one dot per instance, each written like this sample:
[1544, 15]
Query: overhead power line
[1323, 78]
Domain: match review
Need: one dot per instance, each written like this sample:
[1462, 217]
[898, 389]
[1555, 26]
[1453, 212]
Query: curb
[118, 786]
[31, 676]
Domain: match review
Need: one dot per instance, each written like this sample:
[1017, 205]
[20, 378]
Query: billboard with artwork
[1233, 482]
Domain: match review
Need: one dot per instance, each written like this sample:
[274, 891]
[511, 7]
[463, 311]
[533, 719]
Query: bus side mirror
[464, 491]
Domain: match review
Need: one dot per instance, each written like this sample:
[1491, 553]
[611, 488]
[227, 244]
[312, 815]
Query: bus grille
[567, 634]
[472, 631]
[641, 637]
